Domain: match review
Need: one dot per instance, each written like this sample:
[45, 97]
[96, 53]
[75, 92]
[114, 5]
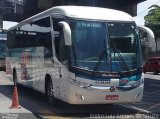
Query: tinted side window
[31, 35]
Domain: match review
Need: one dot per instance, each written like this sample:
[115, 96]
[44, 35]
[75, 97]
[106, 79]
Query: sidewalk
[4, 80]
[6, 102]
[6, 93]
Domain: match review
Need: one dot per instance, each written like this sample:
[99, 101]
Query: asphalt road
[151, 98]
[36, 103]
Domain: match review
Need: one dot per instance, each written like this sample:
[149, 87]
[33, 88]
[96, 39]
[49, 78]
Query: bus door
[63, 81]
[61, 53]
[63, 58]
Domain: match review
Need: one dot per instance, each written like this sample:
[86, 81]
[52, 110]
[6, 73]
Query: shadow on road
[37, 104]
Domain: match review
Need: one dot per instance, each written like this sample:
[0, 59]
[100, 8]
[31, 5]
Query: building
[10, 10]
[18, 10]
[32, 7]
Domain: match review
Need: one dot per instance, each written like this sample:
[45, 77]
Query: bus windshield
[101, 46]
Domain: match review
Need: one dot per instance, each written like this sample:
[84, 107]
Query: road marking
[153, 85]
[57, 117]
[136, 108]
[151, 93]
[153, 106]
[52, 116]
[47, 114]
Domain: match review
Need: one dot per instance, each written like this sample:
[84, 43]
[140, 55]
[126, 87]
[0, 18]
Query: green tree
[153, 16]
[152, 20]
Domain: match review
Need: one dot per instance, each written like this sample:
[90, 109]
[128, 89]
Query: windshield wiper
[122, 60]
[103, 52]
[100, 59]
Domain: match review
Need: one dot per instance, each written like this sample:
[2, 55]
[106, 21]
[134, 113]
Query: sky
[142, 10]
[7, 25]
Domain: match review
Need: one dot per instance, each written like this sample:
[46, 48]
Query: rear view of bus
[80, 55]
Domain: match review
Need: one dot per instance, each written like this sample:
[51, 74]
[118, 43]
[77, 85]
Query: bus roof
[81, 12]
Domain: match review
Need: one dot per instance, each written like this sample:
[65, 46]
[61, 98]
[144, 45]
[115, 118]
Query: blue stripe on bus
[132, 78]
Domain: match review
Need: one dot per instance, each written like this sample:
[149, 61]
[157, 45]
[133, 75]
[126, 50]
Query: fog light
[80, 96]
[112, 89]
[137, 95]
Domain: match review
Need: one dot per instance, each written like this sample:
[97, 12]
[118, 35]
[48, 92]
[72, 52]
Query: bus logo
[111, 75]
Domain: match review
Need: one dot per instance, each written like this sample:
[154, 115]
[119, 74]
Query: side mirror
[67, 32]
[150, 35]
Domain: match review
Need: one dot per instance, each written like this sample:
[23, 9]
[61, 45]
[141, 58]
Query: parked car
[152, 65]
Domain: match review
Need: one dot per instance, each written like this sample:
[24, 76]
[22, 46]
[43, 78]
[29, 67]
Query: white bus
[80, 55]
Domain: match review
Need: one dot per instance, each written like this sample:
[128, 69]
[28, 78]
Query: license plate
[111, 97]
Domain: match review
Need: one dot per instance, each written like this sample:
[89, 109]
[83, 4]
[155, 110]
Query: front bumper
[84, 96]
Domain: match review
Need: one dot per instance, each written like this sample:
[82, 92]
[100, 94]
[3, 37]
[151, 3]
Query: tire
[144, 71]
[49, 91]
[155, 72]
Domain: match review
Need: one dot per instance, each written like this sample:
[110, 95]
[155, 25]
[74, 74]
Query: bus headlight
[79, 96]
[137, 83]
[79, 83]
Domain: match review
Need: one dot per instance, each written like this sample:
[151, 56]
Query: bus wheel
[144, 71]
[155, 72]
[49, 91]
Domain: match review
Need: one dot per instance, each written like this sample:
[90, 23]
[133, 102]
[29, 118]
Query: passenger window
[33, 34]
